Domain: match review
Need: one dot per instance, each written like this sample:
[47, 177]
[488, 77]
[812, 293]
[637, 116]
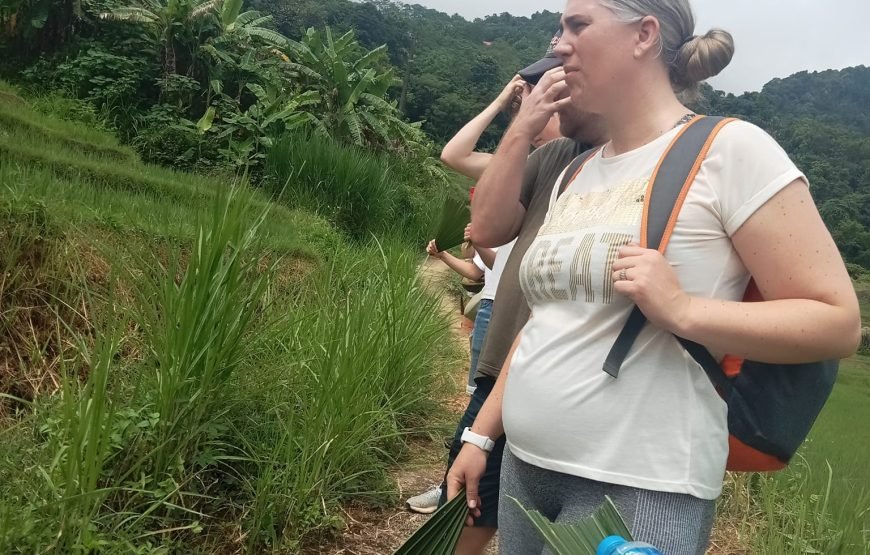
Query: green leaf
[451, 228]
[583, 537]
[440, 534]
[230, 12]
[205, 123]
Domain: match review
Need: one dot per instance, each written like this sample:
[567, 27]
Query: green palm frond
[451, 227]
[230, 12]
[251, 19]
[440, 534]
[370, 56]
[134, 15]
[355, 127]
[345, 41]
[306, 71]
[378, 102]
[308, 98]
[583, 537]
[376, 125]
[204, 8]
[273, 38]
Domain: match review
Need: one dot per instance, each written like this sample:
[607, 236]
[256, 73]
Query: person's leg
[474, 540]
[673, 522]
[481, 326]
[535, 489]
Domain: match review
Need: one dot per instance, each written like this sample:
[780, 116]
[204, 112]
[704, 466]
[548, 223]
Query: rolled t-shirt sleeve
[747, 168]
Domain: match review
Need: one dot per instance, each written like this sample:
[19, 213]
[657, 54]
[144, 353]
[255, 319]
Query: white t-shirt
[661, 425]
[493, 276]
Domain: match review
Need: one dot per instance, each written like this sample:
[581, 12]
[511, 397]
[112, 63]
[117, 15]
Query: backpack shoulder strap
[667, 190]
[574, 169]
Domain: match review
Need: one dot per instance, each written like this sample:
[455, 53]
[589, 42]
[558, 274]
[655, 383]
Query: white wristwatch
[478, 440]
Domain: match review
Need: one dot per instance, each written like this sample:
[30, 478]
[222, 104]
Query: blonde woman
[655, 440]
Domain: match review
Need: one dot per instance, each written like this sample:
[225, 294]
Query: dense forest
[434, 69]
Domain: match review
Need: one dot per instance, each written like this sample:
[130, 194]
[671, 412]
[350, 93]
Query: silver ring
[623, 276]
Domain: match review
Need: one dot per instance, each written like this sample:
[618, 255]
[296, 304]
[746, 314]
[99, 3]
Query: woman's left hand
[647, 278]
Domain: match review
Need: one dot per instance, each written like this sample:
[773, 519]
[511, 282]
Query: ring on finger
[623, 275]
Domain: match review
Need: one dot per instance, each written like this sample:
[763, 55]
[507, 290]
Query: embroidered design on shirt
[619, 206]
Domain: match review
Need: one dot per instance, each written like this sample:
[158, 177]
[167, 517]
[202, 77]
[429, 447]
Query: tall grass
[349, 185]
[81, 447]
[195, 328]
[349, 376]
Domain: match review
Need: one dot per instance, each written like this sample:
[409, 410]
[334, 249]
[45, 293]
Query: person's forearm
[489, 421]
[789, 331]
[494, 207]
[459, 153]
[464, 268]
[487, 255]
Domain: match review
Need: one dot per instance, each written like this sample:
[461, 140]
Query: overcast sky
[774, 38]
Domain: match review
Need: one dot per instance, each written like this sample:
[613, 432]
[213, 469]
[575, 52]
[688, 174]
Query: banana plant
[353, 89]
[173, 23]
[251, 133]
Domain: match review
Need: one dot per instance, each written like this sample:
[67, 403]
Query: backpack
[771, 407]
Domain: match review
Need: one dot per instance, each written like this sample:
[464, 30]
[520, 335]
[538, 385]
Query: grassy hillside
[186, 366]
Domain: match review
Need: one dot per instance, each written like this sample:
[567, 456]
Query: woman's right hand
[511, 91]
[466, 471]
[432, 249]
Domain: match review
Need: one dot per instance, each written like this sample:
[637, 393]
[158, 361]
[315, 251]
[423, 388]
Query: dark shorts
[490, 482]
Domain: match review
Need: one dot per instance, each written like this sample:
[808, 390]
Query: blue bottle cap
[607, 546]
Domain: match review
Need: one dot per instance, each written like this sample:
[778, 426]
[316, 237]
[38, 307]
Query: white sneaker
[426, 503]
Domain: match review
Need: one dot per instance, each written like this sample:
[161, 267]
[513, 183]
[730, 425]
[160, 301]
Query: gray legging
[676, 524]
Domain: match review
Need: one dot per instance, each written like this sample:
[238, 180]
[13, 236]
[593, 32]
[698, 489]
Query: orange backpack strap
[667, 190]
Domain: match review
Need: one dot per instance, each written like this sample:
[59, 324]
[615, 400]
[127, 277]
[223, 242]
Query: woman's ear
[648, 37]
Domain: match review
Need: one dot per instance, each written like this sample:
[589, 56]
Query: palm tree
[171, 21]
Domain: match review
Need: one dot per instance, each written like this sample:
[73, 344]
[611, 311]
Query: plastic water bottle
[615, 545]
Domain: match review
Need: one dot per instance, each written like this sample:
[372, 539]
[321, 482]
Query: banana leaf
[451, 229]
[581, 538]
[440, 534]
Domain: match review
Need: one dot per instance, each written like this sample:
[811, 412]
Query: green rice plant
[195, 317]
[451, 228]
[440, 534]
[583, 537]
[348, 185]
